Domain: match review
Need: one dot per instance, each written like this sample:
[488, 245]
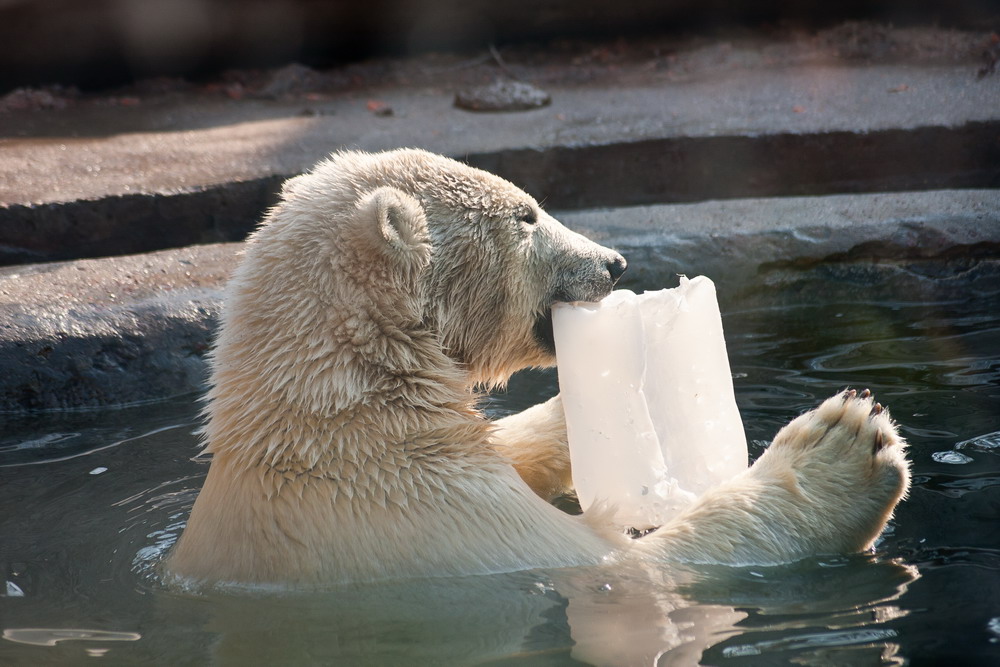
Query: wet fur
[342, 419]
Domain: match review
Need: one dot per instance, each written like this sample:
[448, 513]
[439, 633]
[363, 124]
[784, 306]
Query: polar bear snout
[616, 267]
[592, 279]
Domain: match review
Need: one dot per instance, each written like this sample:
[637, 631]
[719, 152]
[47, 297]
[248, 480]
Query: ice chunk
[649, 402]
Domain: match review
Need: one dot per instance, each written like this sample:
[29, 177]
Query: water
[90, 501]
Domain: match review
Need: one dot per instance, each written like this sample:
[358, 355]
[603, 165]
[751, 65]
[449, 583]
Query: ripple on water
[952, 457]
[931, 557]
[994, 627]
[988, 443]
[928, 348]
[811, 640]
[956, 486]
[157, 517]
[52, 636]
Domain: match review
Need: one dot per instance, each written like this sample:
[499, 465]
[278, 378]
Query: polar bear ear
[393, 224]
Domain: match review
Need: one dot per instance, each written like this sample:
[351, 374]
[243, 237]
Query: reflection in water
[806, 608]
[79, 549]
[51, 636]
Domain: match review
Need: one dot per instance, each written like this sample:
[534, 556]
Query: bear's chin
[544, 335]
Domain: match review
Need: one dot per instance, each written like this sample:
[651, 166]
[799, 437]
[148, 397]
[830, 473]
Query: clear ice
[648, 395]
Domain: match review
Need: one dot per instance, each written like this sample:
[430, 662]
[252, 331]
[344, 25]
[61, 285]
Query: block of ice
[649, 402]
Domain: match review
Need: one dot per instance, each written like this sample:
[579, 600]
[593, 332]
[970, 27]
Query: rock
[502, 95]
[119, 330]
[112, 331]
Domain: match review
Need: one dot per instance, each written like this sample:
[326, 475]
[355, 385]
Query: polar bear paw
[844, 468]
[850, 429]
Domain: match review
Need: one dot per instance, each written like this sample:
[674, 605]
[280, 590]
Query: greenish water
[89, 502]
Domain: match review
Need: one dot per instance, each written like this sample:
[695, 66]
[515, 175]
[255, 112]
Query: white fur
[342, 418]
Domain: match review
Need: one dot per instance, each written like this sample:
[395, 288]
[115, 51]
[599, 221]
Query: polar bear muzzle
[590, 288]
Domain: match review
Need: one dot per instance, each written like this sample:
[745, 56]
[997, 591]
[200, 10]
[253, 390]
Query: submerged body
[342, 420]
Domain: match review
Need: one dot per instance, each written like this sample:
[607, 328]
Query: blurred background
[96, 43]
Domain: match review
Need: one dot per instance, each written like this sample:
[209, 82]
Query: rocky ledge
[119, 330]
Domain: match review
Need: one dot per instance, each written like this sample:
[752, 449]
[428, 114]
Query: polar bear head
[414, 240]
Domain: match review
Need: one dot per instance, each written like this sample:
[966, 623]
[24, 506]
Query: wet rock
[502, 95]
[109, 332]
[102, 226]
[119, 330]
[745, 243]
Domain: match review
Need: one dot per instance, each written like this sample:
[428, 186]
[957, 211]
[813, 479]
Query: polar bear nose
[616, 268]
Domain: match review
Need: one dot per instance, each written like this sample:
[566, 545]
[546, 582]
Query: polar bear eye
[528, 218]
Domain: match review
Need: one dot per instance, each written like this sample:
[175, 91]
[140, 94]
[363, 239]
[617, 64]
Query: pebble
[502, 95]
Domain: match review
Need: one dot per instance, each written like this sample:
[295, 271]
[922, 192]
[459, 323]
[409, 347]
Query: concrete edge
[674, 169]
[152, 342]
[737, 241]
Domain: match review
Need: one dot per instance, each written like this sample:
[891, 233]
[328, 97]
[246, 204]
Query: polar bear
[371, 304]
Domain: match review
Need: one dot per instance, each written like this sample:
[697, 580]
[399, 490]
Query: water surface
[90, 501]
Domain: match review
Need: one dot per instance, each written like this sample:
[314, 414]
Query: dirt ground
[166, 104]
